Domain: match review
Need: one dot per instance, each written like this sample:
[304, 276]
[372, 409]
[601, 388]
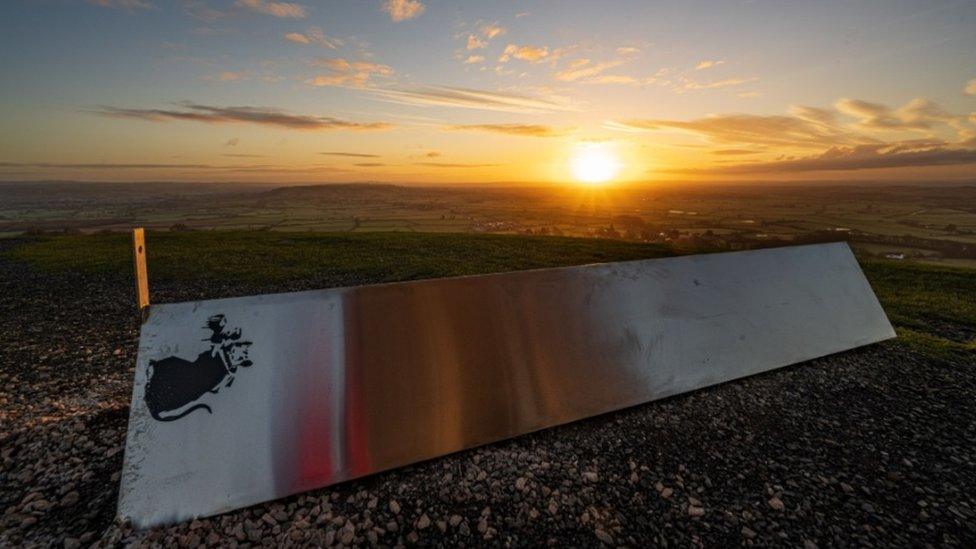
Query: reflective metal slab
[238, 401]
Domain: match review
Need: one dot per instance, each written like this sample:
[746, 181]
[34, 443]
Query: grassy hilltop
[932, 307]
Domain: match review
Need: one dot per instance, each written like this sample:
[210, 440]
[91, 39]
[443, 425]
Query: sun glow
[594, 164]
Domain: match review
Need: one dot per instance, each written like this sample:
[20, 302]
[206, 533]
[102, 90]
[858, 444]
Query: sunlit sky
[433, 91]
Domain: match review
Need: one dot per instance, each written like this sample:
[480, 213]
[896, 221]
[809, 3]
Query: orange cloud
[402, 10]
[274, 9]
[532, 54]
[492, 30]
[708, 63]
[861, 157]
[475, 43]
[247, 115]
[355, 74]
[471, 99]
[523, 130]
[314, 35]
[582, 68]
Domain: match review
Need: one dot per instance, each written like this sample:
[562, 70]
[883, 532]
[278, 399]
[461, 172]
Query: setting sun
[594, 164]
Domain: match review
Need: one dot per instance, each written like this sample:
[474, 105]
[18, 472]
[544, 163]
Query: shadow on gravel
[874, 447]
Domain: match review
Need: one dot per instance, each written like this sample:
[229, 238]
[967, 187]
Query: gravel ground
[872, 447]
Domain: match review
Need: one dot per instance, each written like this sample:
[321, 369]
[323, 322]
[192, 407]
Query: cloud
[815, 127]
[532, 54]
[971, 87]
[582, 68]
[472, 59]
[274, 9]
[749, 129]
[369, 164]
[523, 130]
[402, 10]
[734, 152]
[522, 14]
[861, 157]
[114, 166]
[314, 35]
[243, 115]
[349, 154]
[919, 114]
[433, 154]
[470, 99]
[232, 142]
[454, 165]
[226, 76]
[748, 95]
[708, 63]
[128, 5]
[355, 74]
[217, 168]
[475, 43]
[688, 84]
[612, 79]
[492, 30]
[627, 51]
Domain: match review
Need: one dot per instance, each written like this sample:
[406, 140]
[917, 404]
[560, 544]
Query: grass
[271, 256]
[933, 308]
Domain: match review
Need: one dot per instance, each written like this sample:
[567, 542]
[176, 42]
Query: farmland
[936, 224]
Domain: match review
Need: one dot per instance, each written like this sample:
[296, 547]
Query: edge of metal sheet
[323, 386]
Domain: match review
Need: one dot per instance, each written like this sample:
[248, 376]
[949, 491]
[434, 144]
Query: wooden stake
[142, 275]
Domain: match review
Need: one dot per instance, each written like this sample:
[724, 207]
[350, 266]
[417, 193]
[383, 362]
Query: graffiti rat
[175, 383]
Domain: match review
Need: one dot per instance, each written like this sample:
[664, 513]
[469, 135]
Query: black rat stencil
[175, 383]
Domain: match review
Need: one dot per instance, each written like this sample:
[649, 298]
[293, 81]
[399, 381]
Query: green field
[932, 307]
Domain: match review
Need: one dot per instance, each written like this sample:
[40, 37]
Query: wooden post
[142, 276]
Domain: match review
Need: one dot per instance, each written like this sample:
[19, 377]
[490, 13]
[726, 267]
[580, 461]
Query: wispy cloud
[750, 129]
[470, 99]
[402, 10]
[627, 51]
[343, 72]
[314, 35]
[274, 9]
[454, 165]
[473, 59]
[688, 84]
[122, 166]
[369, 164]
[129, 5]
[918, 114]
[532, 54]
[815, 127]
[475, 43]
[971, 87]
[492, 30]
[349, 154]
[523, 130]
[708, 64]
[861, 157]
[246, 115]
[226, 76]
[232, 142]
[583, 68]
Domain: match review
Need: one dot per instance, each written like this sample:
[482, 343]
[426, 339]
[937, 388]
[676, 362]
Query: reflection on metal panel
[238, 401]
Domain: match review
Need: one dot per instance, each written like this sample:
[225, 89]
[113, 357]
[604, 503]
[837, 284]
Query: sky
[430, 91]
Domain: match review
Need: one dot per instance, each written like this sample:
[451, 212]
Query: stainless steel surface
[347, 382]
